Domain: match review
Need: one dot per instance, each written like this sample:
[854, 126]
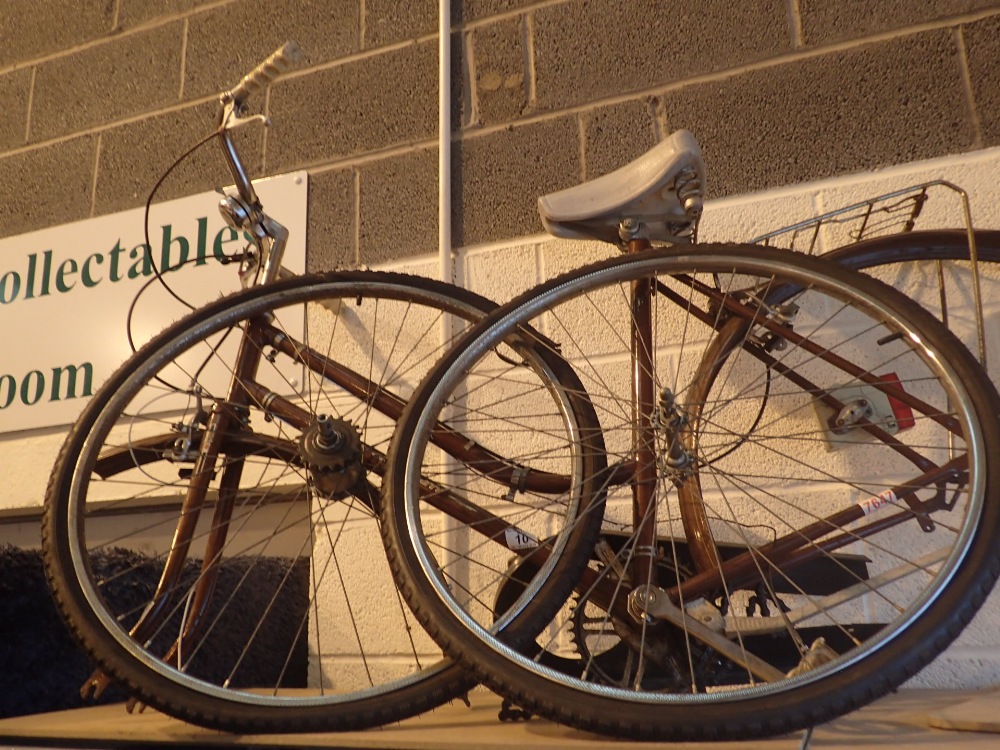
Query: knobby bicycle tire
[939, 244]
[847, 545]
[933, 268]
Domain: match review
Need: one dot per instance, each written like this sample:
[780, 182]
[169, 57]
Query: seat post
[643, 408]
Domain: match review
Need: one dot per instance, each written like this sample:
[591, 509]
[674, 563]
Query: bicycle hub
[331, 452]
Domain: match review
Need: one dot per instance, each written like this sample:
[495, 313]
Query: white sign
[65, 292]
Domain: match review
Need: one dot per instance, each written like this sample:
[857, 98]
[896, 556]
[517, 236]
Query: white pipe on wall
[447, 263]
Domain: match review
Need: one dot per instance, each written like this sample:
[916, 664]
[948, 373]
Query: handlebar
[266, 73]
[231, 107]
[245, 212]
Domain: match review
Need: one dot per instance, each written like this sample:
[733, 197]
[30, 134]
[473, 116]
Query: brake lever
[232, 119]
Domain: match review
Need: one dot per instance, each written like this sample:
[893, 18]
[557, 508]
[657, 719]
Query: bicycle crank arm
[650, 601]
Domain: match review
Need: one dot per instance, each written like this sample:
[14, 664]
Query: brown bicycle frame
[640, 471]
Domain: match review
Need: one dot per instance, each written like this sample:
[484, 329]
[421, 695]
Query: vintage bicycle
[522, 507]
[794, 519]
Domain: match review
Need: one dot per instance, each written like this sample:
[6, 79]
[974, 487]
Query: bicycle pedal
[510, 712]
[95, 685]
[134, 705]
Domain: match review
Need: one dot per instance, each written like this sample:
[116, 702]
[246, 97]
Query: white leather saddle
[661, 191]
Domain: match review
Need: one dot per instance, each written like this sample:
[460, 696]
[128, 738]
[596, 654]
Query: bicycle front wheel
[800, 517]
[260, 601]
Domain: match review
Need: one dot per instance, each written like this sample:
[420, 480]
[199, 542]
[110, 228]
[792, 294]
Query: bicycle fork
[222, 419]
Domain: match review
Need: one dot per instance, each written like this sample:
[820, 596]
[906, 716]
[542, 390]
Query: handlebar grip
[267, 72]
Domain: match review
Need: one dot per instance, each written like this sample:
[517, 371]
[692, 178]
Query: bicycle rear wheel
[824, 496]
[934, 269]
[276, 611]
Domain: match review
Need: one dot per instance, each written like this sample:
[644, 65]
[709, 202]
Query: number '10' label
[872, 504]
[517, 539]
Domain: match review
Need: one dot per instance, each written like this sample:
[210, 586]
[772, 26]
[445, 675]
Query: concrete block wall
[100, 97]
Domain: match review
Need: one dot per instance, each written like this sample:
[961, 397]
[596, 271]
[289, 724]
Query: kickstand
[806, 738]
